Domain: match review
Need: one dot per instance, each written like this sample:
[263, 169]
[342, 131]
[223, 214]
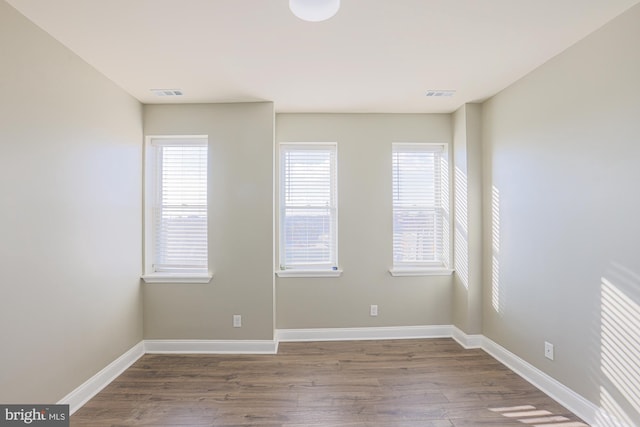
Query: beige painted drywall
[70, 217]
[467, 200]
[240, 226]
[562, 152]
[364, 228]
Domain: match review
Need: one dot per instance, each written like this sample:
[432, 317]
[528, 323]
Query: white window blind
[180, 206]
[419, 211]
[308, 206]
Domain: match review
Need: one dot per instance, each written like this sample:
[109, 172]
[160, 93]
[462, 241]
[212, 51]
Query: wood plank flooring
[409, 383]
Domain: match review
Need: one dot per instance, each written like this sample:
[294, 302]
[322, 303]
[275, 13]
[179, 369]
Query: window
[176, 209]
[308, 210]
[420, 209]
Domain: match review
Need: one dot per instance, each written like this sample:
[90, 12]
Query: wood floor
[426, 383]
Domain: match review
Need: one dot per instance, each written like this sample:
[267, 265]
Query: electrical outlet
[373, 310]
[237, 321]
[548, 350]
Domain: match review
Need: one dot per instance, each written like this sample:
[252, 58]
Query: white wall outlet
[548, 350]
[373, 310]
[237, 321]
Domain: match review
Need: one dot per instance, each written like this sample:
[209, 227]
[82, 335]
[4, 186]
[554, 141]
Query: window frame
[331, 269]
[427, 268]
[152, 177]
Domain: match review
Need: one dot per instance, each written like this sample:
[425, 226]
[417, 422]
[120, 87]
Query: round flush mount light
[314, 10]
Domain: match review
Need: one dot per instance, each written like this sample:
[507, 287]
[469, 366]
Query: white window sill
[309, 273]
[420, 271]
[177, 277]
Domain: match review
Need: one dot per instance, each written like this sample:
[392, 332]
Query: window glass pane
[308, 231]
[180, 211]
[419, 214]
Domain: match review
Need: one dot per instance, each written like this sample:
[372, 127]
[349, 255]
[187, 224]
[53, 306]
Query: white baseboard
[359, 334]
[466, 341]
[549, 385]
[93, 385]
[211, 346]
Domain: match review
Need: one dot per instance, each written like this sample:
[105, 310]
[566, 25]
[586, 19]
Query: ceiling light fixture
[314, 10]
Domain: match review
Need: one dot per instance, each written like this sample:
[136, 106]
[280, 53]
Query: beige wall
[240, 226]
[561, 197]
[70, 221]
[467, 200]
[556, 192]
[364, 228]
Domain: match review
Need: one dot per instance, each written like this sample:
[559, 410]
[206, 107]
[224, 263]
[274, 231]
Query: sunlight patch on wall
[461, 239]
[461, 258]
[461, 200]
[611, 414]
[446, 209]
[620, 346]
[620, 350]
[495, 250]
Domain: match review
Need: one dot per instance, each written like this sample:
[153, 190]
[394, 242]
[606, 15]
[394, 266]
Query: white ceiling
[373, 56]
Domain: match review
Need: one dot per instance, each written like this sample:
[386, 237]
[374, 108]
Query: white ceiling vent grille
[167, 92]
[440, 93]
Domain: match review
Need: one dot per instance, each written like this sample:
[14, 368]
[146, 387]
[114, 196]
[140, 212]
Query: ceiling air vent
[440, 93]
[167, 92]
